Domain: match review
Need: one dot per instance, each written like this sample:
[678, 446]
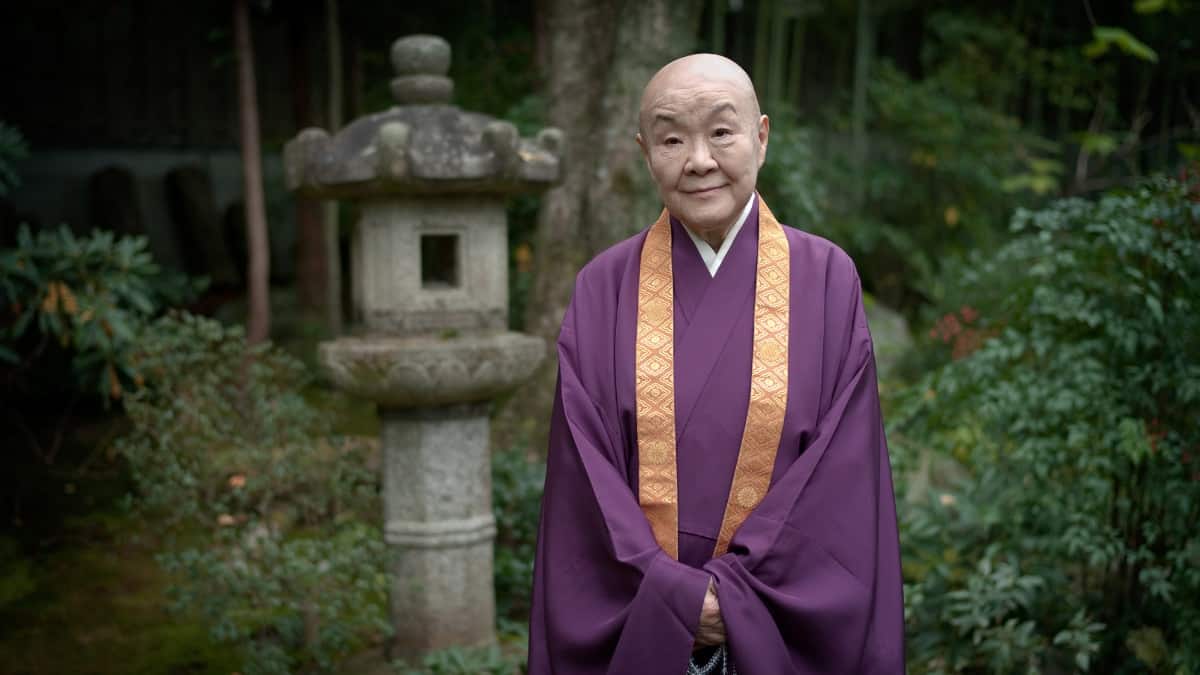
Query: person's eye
[672, 140]
[722, 133]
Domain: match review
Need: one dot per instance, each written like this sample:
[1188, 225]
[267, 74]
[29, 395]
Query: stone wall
[55, 183]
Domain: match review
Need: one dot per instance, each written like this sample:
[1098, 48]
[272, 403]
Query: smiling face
[704, 139]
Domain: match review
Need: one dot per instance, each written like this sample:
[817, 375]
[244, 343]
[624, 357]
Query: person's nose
[700, 160]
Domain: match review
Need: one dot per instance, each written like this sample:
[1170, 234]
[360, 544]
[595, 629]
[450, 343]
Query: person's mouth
[704, 191]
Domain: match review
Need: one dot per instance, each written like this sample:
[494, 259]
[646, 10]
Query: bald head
[697, 71]
[704, 138]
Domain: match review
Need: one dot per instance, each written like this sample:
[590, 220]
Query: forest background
[1015, 181]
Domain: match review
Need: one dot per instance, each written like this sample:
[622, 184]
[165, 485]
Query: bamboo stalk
[717, 27]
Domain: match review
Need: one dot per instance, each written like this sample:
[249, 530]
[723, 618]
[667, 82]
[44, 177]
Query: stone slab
[439, 524]
[407, 372]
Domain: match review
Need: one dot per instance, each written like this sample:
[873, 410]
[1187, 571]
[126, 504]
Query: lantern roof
[422, 145]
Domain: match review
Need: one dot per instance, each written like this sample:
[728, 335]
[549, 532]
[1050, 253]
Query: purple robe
[811, 582]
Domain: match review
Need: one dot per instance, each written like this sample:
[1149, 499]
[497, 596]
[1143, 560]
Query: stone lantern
[431, 345]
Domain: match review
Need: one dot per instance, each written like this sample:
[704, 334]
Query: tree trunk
[717, 27]
[796, 67]
[357, 85]
[258, 315]
[601, 54]
[762, 45]
[1168, 89]
[777, 64]
[311, 276]
[333, 259]
[622, 198]
[863, 44]
[579, 47]
[541, 37]
[1037, 90]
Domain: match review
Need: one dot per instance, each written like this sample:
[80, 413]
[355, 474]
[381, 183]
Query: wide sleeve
[811, 582]
[606, 597]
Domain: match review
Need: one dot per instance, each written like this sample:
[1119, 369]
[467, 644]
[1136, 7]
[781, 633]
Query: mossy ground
[82, 592]
[99, 608]
[80, 589]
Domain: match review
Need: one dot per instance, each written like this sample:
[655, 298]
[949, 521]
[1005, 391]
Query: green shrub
[271, 523]
[12, 149]
[16, 573]
[792, 180]
[516, 500]
[1065, 429]
[947, 157]
[461, 661]
[90, 295]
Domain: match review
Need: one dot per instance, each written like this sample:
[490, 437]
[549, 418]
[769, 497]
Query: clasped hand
[712, 628]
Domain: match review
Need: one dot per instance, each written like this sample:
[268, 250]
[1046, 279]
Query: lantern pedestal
[438, 506]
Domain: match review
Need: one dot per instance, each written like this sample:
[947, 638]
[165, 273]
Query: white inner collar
[712, 259]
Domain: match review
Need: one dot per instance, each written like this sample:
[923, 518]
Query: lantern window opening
[440, 261]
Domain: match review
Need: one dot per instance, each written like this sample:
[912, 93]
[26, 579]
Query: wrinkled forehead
[672, 95]
[697, 85]
[700, 89]
[691, 110]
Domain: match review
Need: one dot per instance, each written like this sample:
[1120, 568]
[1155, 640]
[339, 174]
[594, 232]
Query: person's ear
[764, 130]
[645, 150]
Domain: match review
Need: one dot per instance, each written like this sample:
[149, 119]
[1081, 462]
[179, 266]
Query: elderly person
[718, 494]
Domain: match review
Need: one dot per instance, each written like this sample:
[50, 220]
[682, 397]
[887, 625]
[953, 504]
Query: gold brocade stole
[658, 484]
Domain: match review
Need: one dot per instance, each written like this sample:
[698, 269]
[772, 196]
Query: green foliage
[791, 181]
[16, 573]
[89, 294]
[12, 149]
[1104, 37]
[516, 499]
[1149, 6]
[460, 661]
[1068, 414]
[948, 159]
[529, 115]
[272, 522]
